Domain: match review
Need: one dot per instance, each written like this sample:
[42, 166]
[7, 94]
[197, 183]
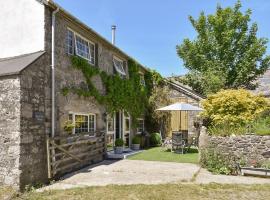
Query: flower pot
[118, 150]
[136, 146]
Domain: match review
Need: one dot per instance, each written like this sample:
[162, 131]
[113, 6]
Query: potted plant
[68, 127]
[119, 146]
[136, 142]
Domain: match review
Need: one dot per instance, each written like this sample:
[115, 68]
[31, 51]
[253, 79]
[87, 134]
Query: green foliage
[227, 130]
[217, 162]
[233, 107]
[266, 164]
[136, 139]
[119, 142]
[261, 126]
[68, 126]
[121, 94]
[226, 53]
[155, 139]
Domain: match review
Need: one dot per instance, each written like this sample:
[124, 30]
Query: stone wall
[245, 149]
[177, 94]
[34, 89]
[9, 130]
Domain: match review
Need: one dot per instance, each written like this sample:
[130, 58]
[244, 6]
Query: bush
[234, 107]
[261, 126]
[217, 162]
[155, 139]
[226, 130]
[136, 140]
[119, 142]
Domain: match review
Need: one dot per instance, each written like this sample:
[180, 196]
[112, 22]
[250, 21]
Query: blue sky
[149, 30]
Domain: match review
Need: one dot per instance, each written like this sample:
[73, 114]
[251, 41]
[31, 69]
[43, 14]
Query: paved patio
[127, 172]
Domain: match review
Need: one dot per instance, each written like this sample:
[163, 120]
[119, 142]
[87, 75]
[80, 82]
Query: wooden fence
[70, 152]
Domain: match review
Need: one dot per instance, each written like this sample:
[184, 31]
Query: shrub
[119, 142]
[261, 126]
[155, 139]
[217, 162]
[136, 140]
[234, 107]
[226, 130]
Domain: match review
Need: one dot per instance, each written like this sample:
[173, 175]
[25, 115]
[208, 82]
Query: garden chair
[178, 142]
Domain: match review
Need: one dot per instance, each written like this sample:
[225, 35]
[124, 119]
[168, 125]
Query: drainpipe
[53, 72]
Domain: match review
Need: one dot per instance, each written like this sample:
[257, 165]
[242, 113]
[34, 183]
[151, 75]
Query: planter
[118, 150]
[136, 146]
[255, 171]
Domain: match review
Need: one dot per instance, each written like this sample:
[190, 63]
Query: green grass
[158, 154]
[156, 192]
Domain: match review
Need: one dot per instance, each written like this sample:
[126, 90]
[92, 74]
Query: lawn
[156, 192]
[158, 154]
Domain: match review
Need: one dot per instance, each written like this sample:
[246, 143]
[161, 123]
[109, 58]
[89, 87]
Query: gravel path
[127, 172]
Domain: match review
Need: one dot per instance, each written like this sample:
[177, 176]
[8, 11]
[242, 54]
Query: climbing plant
[121, 93]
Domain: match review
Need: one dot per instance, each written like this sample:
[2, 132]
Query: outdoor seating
[179, 141]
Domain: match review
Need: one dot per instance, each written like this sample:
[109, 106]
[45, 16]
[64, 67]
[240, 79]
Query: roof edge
[54, 5]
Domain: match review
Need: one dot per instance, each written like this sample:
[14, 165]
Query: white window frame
[119, 69]
[88, 115]
[140, 132]
[142, 80]
[114, 123]
[67, 42]
[91, 60]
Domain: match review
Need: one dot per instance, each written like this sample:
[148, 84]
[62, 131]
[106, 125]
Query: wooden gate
[70, 152]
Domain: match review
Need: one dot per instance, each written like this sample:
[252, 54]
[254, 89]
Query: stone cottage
[183, 121]
[36, 45]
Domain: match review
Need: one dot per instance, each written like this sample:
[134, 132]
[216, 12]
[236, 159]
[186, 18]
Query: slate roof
[14, 65]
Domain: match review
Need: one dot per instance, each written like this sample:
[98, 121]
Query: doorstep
[124, 155]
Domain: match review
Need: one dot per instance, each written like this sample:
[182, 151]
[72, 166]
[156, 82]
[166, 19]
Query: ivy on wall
[121, 94]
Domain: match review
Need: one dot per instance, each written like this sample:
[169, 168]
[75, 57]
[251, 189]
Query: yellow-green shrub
[234, 107]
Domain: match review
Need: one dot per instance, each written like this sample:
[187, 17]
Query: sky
[149, 30]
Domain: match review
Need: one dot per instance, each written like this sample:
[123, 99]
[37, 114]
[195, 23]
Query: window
[119, 66]
[110, 123]
[140, 128]
[70, 42]
[82, 47]
[84, 123]
[142, 81]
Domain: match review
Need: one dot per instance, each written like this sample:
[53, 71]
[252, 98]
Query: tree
[226, 53]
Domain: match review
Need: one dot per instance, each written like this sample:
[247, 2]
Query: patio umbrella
[180, 107]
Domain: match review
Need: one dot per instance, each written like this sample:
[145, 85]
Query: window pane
[81, 124]
[92, 123]
[69, 42]
[110, 123]
[127, 124]
[118, 65]
[140, 128]
[92, 53]
[82, 48]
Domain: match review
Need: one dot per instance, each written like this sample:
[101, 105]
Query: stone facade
[247, 149]
[10, 111]
[177, 94]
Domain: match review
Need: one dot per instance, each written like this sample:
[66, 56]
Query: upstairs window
[70, 42]
[119, 66]
[142, 81]
[75, 44]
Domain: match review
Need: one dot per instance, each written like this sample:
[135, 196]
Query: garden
[238, 124]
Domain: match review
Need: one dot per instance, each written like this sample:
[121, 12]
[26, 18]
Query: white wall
[21, 27]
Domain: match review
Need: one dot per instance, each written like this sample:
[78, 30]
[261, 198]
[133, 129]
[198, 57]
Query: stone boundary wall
[248, 149]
